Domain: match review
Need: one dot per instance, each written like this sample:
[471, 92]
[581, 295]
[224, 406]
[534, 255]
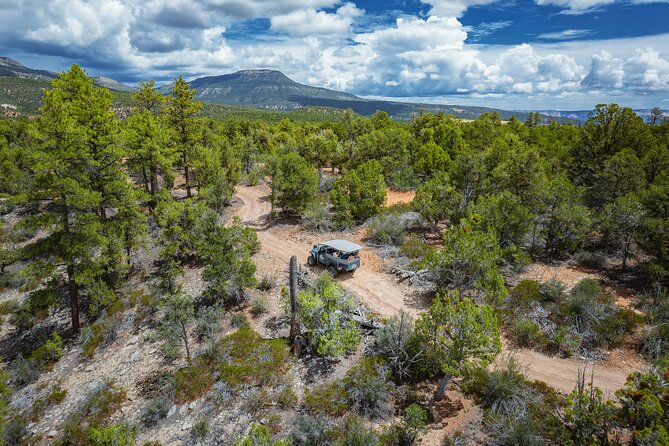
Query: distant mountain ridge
[266, 89]
[582, 115]
[274, 90]
[11, 68]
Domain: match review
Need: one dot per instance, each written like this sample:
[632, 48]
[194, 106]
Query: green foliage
[360, 193]
[240, 359]
[369, 392]
[327, 399]
[76, 167]
[238, 320]
[414, 422]
[622, 221]
[260, 435]
[47, 354]
[643, 404]
[156, 410]
[227, 252]
[100, 332]
[525, 293]
[181, 117]
[294, 183]
[387, 229]
[468, 263]
[563, 221]
[457, 336]
[193, 381]
[118, 434]
[438, 201]
[325, 312]
[90, 425]
[505, 214]
[251, 360]
[588, 415]
[317, 217]
[177, 321]
[394, 344]
[655, 224]
[200, 429]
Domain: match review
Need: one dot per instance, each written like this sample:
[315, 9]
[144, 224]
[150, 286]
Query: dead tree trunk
[294, 316]
[439, 394]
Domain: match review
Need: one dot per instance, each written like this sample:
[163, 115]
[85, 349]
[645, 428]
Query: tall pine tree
[181, 115]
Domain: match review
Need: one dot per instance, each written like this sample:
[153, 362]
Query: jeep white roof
[342, 245]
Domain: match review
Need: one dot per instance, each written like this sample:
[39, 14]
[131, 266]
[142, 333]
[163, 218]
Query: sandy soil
[561, 373]
[380, 292]
[384, 296]
[398, 197]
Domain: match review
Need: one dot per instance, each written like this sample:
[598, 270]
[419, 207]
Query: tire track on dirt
[381, 296]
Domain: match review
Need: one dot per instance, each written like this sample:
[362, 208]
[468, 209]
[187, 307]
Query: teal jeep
[336, 256]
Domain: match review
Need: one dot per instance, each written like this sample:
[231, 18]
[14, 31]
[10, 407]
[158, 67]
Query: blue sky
[513, 54]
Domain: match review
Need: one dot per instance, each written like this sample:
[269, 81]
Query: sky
[510, 54]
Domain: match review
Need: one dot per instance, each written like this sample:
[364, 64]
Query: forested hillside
[146, 300]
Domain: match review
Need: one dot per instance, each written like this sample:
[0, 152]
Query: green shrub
[267, 282]
[208, 323]
[317, 217]
[200, 429]
[260, 435]
[387, 229]
[553, 290]
[311, 430]
[242, 358]
[369, 392]
[513, 429]
[23, 318]
[118, 434]
[259, 306]
[414, 421]
[586, 304]
[87, 426]
[15, 430]
[155, 411]
[355, 433]
[46, 355]
[526, 333]
[8, 307]
[57, 395]
[327, 399]
[238, 320]
[193, 381]
[103, 402]
[590, 260]
[100, 332]
[656, 344]
[504, 386]
[564, 342]
[24, 371]
[614, 328]
[251, 360]
[287, 398]
[525, 293]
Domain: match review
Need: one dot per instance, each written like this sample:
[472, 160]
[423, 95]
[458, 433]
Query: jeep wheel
[311, 261]
[332, 270]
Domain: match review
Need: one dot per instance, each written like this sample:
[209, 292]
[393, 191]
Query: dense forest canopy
[84, 193]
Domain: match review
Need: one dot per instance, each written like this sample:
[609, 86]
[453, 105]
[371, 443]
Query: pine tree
[181, 116]
[146, 139]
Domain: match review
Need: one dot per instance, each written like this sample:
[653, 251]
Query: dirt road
[561, 373]
[377, 291]
[381, 293]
